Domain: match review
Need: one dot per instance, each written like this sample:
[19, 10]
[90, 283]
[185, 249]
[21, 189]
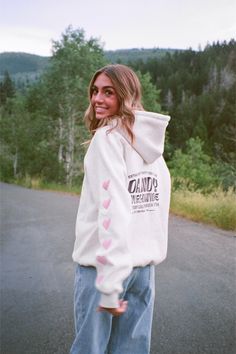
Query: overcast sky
[30, 25]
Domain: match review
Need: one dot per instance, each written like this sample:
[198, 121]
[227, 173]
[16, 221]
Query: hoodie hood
[149, 131]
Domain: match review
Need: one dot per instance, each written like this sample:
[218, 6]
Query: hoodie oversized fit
[122, 220]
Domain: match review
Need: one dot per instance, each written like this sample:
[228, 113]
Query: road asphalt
[195, 286]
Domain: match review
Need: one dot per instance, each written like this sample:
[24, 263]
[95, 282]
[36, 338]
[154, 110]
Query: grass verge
[218, 208]
[36, 183]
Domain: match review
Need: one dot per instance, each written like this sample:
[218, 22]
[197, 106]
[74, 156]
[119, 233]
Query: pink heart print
[100, 279]
[106, 223]
[106, 203]
[107, 243]
[106, 184]
[102, 259]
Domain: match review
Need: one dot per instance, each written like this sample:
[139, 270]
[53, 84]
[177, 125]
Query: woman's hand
[115, 311]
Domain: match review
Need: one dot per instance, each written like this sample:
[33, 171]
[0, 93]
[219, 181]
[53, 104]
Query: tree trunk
[70, 149]
[15, 163]
[60, 150]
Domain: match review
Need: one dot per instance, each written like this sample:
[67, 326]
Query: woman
[122, 221]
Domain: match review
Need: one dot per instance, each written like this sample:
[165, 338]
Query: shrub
[226, 174]
[192, 170]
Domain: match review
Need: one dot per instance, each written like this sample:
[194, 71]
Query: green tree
[57, 104]
[14, 138]
[74, 61]
[193, 169]
[7, 88]
[150, 94]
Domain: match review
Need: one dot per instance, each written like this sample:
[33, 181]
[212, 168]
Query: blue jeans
[100, 332]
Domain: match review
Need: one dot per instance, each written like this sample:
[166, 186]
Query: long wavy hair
[128, 89]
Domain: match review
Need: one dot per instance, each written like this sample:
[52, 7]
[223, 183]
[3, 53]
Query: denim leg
[131, 332]
[92, 328]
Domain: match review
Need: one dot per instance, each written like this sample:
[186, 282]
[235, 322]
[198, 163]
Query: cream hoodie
[122, 219]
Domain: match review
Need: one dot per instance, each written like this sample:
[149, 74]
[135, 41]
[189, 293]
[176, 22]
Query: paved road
[195, 286]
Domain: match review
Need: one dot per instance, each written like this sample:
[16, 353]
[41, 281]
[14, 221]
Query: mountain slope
[17, 62]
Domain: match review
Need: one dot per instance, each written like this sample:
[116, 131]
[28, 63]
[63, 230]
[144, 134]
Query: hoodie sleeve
[108, 184]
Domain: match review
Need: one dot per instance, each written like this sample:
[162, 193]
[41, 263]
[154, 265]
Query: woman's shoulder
[106, 140]
[101, 132]
[107, 134]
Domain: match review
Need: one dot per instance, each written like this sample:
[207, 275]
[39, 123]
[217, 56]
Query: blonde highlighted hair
[128, 89]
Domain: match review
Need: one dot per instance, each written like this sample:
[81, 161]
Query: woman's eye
[94, 91]
[108, 92]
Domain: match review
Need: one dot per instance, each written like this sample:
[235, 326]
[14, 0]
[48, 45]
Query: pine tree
[7, 88]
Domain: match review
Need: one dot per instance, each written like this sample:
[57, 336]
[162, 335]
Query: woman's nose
[99, 97]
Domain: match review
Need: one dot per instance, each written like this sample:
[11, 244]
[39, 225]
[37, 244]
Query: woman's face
[104, 98]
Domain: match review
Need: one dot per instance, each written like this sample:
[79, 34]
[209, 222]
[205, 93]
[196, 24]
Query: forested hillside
[21, 63]
[42, 127]
[198, 89]
[127, 56]
[24, 63]
[23, 68]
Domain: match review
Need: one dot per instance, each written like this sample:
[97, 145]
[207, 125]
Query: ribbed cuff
[110, 301]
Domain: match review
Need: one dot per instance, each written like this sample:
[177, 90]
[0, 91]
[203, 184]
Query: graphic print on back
[144, 193]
